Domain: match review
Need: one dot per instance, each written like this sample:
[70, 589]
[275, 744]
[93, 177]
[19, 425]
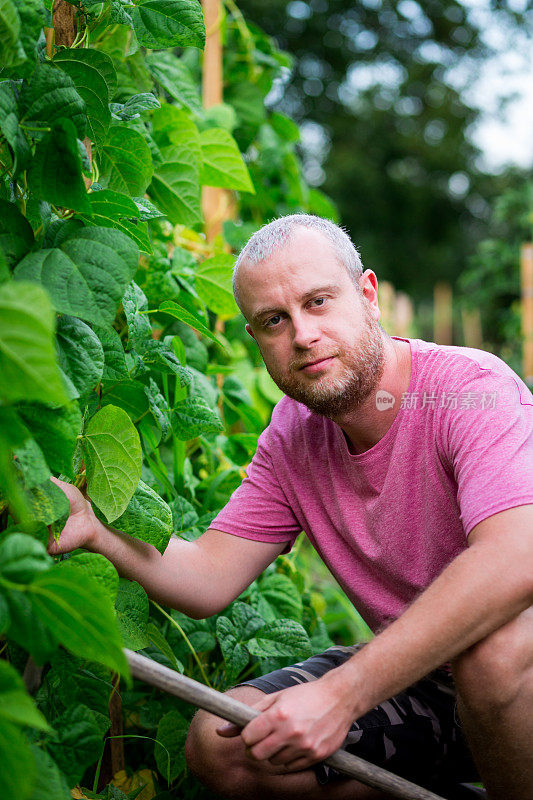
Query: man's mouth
[317, 365]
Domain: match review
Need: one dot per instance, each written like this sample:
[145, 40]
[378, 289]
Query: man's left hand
[298, 726]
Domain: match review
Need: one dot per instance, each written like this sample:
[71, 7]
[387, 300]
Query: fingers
[228, 729]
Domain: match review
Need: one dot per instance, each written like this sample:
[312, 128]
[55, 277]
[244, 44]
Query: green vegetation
[126, 372]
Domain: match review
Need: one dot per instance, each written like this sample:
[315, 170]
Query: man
[409, 467]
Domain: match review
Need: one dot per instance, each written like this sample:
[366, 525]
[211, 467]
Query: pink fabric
[388, 521]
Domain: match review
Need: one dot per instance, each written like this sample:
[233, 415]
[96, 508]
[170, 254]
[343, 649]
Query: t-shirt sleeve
[258, 509]
[488, 442]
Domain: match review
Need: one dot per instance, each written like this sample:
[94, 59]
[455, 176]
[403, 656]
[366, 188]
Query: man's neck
[365, 426]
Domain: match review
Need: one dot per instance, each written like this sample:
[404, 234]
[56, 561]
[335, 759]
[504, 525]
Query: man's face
[318, 335]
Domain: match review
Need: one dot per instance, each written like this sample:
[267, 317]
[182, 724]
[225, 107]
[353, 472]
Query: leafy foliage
[126, 371]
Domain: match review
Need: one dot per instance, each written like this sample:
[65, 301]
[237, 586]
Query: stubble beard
[334, 397]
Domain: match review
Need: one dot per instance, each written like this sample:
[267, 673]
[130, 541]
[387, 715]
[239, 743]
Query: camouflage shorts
[416, 734]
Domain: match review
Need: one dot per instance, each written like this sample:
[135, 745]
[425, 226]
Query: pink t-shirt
[389, 520]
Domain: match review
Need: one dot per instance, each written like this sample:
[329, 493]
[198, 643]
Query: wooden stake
[386, 305]
[403, 315]
[526, 271]
[215, 201]
[442, 311]
[472, 330]
[240, 714]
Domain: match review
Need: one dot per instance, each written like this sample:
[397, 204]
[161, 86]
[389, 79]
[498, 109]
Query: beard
[333, 397]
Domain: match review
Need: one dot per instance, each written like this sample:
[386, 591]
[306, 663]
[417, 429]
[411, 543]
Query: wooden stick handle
[234, 711]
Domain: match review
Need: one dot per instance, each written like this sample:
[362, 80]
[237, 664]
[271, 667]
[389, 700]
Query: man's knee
[220, 762]
[496, 671]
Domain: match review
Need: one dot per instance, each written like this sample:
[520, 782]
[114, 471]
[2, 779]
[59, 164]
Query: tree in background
[385, 129]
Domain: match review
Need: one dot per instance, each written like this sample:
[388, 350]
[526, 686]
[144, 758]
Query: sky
[504, 135]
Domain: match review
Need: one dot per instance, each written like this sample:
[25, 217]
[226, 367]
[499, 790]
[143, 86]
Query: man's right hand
[81, 526]
[199, 578]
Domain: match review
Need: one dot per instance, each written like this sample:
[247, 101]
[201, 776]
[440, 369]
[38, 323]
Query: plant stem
[186, 639]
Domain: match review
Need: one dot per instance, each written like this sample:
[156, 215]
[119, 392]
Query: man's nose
[305, 331]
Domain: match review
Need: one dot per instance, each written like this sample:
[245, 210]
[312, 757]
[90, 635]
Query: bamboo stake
[386, 305]
[214, 200]
[240, 714]
[526, 270]
[442, 310]
[403, 315]
[472, 330]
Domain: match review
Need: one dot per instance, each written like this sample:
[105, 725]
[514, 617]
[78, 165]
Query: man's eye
[272, 321]
[319, 301]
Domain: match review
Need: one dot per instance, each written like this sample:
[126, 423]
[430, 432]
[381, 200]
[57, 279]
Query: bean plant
[125, 370]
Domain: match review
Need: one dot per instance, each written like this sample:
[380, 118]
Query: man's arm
[486, 586]
[199, 578]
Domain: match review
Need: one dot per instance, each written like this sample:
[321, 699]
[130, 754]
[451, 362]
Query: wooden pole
[472, 330]
[442, 314]
[215, 201]
[386, 305]
[63, 34]
[240, 714]
[403, 315]
[526, 271]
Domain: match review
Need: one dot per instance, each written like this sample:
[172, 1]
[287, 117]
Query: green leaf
[18, 768]
[168, 23]
[158, 641]
[10, 46]
[233, 650]
[5, 617]
[16, 706]
[177, 311]
[126, 162]
[31, 23]
[22, 558]
[113, 459]
[50, 95]
[213, 281]
[159, 356]
[147, 517]
[184, 515]
[55, 172]
[98, 567]
[80, 617]
[132, 614]
[193, 417]
[135, 307]
[87, 274]
[81, 355]
[222, 161]
[32, 463]
[130, 396]
[175, 78]
[77, 742]
[173, 126]
[8, 114]
[55, 431]
[158, 407]
[134, 106]
[27, 358]
[48, 503]
[50, 781]
[283, 637]
[115, 367]
[27, 630]
[170, 745]
[175, 187]
[147, 210]
[95, 79]
[277, 596]
[16, 235]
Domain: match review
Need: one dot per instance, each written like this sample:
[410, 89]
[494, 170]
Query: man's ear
[249, 330]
